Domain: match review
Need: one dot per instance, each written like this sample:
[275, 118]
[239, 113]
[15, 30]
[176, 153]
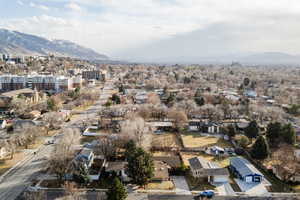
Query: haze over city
[162, 30]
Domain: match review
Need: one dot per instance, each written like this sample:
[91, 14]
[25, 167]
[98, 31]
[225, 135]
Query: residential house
[141, 97]
[118, 167]
[245, 171]
[85, 157]
[161, 125]
[20, 125]
[285, 173]
[202, 168]
[205, 127]
[216, 150]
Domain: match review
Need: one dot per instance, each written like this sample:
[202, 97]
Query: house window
[257, 178]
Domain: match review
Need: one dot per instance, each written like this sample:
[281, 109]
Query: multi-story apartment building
[39, 82]
[93, 74]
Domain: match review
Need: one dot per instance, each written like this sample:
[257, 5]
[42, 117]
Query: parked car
[207, 193]
[50, 141]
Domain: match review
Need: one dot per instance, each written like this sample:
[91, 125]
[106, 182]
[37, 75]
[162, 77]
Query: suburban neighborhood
[99, 130]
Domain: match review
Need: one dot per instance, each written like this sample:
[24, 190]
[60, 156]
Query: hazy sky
[123, 28]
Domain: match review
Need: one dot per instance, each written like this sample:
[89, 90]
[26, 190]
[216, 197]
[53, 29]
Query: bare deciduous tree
[137, 130]
[60, 160]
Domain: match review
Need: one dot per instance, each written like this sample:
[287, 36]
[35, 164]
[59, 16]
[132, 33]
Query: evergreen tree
[198, 98]
[115, 98]
[140, 167]
[288, 134]
[260, 149]
[130, 149]
[252, 131]
[273, 133]
[117, 190]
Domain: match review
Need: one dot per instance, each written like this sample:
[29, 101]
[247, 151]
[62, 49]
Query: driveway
[181, 186]
[252, 189]
[224, 189]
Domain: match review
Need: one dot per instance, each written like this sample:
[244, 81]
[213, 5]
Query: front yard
[164, 185]
[194, 140]
[198, 184]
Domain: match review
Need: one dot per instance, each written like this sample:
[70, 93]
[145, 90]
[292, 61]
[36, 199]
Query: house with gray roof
[202, 168]
[85, 158]
[245, 171]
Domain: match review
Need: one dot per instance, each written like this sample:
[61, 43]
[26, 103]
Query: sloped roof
[198, 163]
[244, 166]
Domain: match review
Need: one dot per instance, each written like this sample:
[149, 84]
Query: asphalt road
[17, 180]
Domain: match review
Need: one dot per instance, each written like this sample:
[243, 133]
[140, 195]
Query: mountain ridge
[18, 43]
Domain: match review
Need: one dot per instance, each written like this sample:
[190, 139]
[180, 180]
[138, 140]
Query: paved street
[18, 179]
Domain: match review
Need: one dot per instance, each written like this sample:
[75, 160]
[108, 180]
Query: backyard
[165, 140]
[194, 140]
[222, 161]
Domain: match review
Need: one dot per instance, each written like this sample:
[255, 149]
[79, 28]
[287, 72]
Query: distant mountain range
[16, 43]
[216, 43]
[271, 57]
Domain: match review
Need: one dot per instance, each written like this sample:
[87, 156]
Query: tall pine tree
[140, 167]
[117, 191]
[289, 134]
[260, 149]
[252, 131]
[274, 133]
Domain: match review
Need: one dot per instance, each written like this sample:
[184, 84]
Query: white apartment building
[39, 82]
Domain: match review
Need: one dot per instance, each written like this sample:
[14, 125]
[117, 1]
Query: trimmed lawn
[164, 185]
[165, 140]
[222, 161]
[6, 164]
[192, 140]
